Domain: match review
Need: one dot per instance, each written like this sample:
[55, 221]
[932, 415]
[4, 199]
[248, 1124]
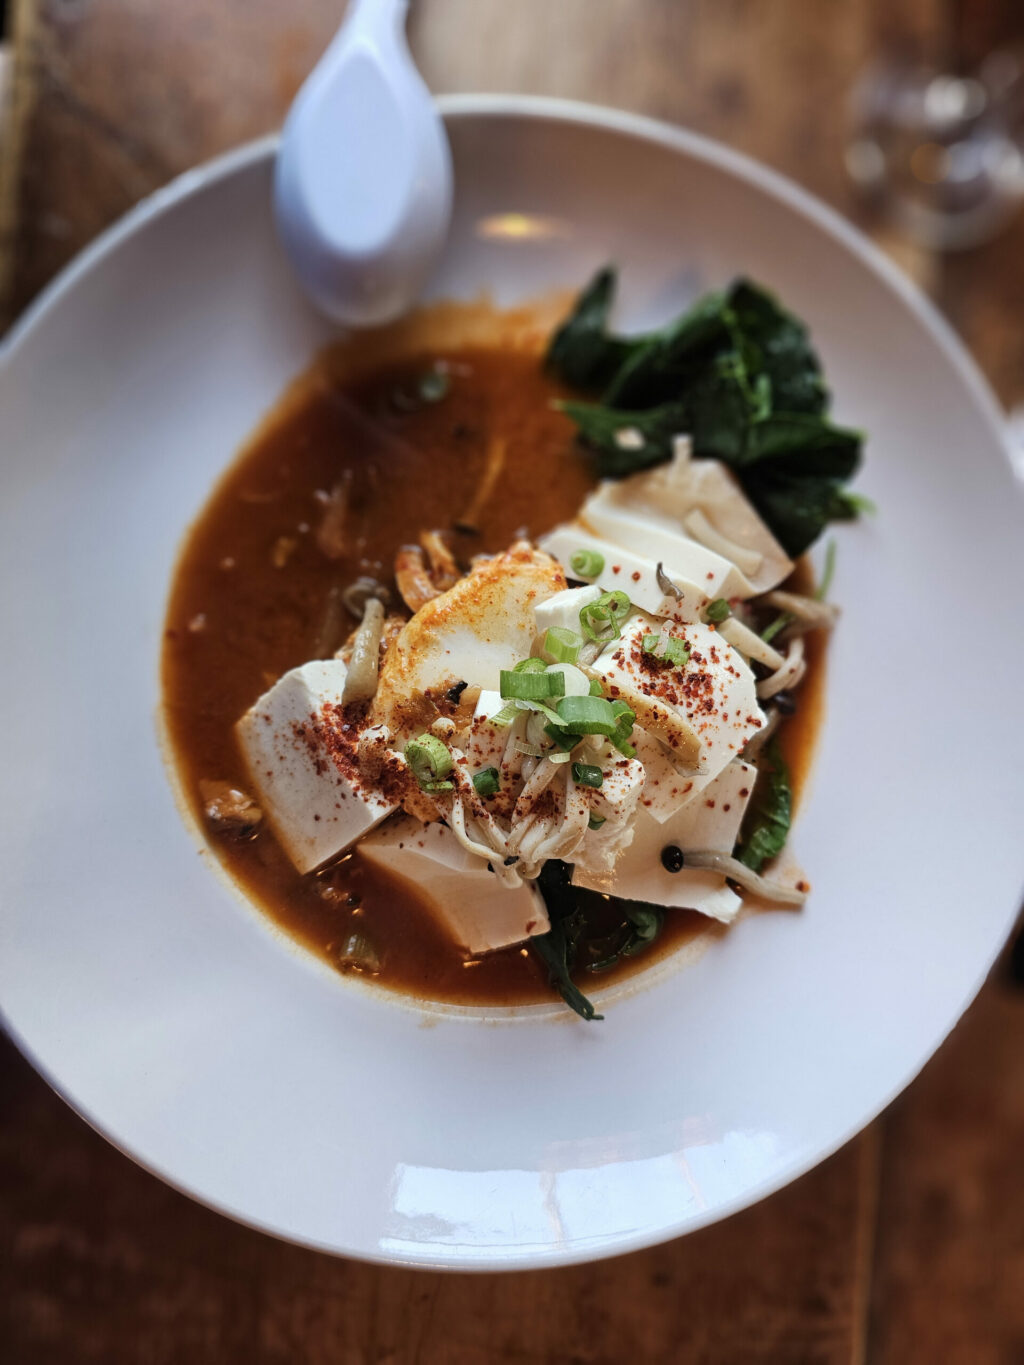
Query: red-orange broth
[250, 599]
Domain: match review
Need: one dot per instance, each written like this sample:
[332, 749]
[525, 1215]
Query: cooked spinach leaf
[640, 926]
[736, 373]
[778, 347]
[589, 932]
[607, 431]
[557, 948]
[659, 365]
[582, 352]
[767, 821]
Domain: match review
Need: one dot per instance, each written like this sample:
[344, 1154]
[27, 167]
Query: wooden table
[906, 1246]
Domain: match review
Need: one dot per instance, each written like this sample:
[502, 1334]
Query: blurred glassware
[941, 155]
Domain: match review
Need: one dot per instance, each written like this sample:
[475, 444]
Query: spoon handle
[375, 16]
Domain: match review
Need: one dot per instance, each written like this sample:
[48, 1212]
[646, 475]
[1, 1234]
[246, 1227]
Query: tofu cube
[714, 691]
[564, 608]
[301, 751]
[635, 574]
[682, 556]
[639, 874]
[467, 901]
[711, 818]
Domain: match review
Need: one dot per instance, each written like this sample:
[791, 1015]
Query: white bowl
[245, 1072]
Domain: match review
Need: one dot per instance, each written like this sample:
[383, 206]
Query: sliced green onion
[540, 709]
[596, 821]
[532, 686]
[718, 611]
[433, 386]
[600, 620]
[575, 682]
[565, 739]
[523, 746]
[667, 647]
[504, 717]
[830, 566]
[430, 761]
[530, 666]
[562, 644]
[586, 563]
[625, 719]
[676, 651]
[587, 775]
[587, 715]
[596, 689]
[559, 757]
[780, 623]
[488, 782]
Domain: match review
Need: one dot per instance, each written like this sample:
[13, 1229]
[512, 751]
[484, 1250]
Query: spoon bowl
[363, 181]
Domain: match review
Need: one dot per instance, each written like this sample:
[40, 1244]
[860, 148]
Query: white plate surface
[244, 1072]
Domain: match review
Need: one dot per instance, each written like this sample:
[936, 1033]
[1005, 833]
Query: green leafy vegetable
[557, 948]
[589, 931]
[582, 351]
[736, 373]
[767, 821]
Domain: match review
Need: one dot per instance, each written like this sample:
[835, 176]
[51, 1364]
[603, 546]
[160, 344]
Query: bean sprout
[361, 679]
[738, 872]
[788, 674]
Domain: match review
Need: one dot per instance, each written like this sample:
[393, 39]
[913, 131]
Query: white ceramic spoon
[363, 182]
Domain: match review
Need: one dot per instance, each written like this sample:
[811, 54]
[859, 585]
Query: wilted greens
[737, 374]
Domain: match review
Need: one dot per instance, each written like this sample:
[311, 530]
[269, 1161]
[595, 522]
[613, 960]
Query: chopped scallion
[595, 821]
[565, 739]
[600, 620]
[562, 644]
[718, 611]
[532, 686]
[828, 571]
[530, 666]
[586, 563]
[780, 623]
[430, 761]
[488, 782]
[587, 775]
[676, 651]
[596, 690]
[434, 385]
[667, 647]
[587, 715]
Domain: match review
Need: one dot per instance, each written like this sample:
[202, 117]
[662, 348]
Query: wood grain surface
[906, 1246]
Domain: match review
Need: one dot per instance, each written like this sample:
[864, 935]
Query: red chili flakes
[710, 805]
[744, 791]
[635, 575]
[616, 568]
